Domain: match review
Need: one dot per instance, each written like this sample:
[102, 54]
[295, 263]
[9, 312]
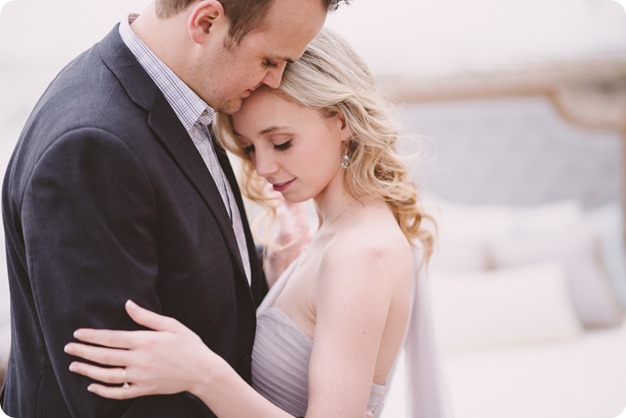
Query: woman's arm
[353, 301]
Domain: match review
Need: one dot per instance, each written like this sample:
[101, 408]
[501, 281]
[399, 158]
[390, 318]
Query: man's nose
[275, 75]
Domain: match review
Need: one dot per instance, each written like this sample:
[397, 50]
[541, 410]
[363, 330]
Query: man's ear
[204, 16]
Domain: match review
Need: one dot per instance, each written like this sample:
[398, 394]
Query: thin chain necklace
[319, 233]
[344, 210]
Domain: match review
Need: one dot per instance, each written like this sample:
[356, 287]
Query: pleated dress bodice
[280, 358]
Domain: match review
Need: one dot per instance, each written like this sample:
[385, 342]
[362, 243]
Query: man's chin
[230, 106]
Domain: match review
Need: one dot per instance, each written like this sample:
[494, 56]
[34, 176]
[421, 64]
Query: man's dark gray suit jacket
[107, 199]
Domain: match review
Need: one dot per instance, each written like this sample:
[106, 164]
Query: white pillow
[464, 230]
[462, 233]
[592, 295]
[492, 221]
[545, 217]
[502, 308]
[458, 254]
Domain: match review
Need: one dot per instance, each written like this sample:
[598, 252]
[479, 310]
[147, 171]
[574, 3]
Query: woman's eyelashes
[283, 146]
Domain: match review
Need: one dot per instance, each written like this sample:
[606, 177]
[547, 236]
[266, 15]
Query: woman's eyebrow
[270, 129]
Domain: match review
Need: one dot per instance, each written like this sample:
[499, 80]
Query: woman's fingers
[129, 339]
[106, 337]
[117, 392]
[125, 387]
[102, 355]
[112, 376]
[151, 319]
[145, 356]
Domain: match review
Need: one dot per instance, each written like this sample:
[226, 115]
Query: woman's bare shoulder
[370, 247]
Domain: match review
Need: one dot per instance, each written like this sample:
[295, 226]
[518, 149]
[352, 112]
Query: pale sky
[428, 37]
[433, 36]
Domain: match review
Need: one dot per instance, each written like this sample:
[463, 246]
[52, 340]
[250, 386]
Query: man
[117, 191]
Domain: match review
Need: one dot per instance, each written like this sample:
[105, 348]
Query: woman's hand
[293, 233]
[168, 360]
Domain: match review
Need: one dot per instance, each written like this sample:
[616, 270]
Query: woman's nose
[264, 164]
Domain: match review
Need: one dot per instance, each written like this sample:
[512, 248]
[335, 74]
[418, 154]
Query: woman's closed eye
[283, 146]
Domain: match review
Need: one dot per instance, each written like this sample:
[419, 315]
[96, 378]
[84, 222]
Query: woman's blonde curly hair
[332, 79]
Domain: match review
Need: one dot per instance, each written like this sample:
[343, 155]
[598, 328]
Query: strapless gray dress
[415, 388]
[280, 358]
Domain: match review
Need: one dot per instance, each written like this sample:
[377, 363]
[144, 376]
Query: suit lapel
[232, 180]
[169, 131]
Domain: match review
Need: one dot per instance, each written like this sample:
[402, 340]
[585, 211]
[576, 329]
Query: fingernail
[131, 304]
[90, 388]
[67, 348]
[72, 367]
[77, 334]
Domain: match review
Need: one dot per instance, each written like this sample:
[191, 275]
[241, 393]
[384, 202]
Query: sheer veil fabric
[417, 385]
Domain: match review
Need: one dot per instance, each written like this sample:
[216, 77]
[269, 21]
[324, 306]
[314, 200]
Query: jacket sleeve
[89, 221]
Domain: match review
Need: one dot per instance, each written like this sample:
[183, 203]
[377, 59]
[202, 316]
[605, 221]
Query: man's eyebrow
[280, 58]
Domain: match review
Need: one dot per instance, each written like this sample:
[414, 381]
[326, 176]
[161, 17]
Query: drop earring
[345, 161]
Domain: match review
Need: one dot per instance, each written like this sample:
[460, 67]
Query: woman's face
[296, 149]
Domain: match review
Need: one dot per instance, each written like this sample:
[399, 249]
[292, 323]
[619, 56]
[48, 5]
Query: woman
[331, 328]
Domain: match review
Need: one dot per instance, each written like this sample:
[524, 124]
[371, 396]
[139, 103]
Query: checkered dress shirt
[196, 116]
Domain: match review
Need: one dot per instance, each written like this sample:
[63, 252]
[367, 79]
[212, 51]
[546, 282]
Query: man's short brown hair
[243, 15]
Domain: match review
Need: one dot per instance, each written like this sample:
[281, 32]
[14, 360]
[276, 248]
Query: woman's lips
[279, 187]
